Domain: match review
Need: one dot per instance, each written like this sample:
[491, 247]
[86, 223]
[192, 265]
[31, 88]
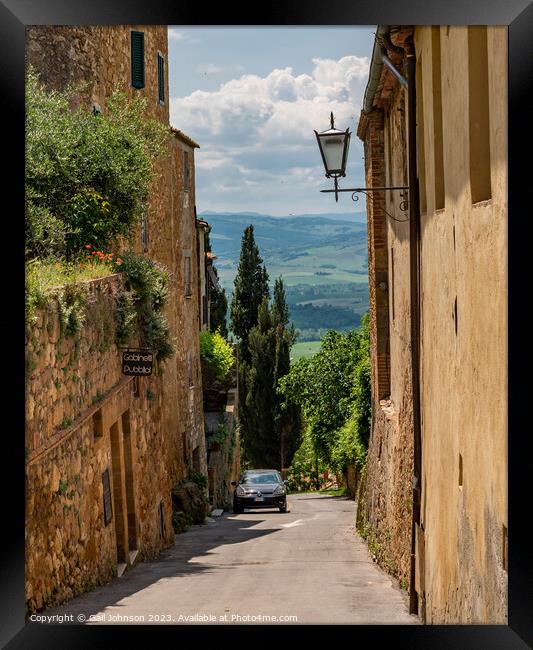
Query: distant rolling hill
[321, 257]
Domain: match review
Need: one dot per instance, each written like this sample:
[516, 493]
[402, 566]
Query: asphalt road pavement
[260, 567]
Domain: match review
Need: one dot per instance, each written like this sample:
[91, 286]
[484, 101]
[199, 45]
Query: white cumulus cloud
[257, 131]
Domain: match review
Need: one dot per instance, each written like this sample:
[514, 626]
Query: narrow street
[308, 563]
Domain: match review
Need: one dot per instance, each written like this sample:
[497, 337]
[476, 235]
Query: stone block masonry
[84, 418]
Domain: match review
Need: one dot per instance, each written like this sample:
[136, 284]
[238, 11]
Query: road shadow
[198, 542]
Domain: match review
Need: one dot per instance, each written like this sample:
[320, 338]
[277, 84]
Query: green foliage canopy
[87, 176]
[217, 354]
[251, 286]
[333, 390]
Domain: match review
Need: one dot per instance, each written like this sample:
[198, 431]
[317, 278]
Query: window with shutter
[161, 77]
[137, 59]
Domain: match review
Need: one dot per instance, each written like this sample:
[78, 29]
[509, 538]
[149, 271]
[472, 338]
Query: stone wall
[84, 417]
[223, 458]
[385, 500]
[99, 58]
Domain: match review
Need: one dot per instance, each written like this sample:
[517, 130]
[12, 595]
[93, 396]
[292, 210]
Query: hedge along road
[262, 566]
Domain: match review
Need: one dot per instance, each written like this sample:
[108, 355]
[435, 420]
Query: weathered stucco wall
[461, 543]
[84, 417]
[464, 337]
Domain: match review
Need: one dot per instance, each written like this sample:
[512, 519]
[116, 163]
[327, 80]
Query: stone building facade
[455, 519]
[104, 450]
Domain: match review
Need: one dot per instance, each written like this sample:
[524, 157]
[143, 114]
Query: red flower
[88, 246]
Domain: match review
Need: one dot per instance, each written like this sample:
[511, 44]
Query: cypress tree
[218, 301]
[270, 427]
[287, 416]
[251, 286]
[218, 309]
[258, 433]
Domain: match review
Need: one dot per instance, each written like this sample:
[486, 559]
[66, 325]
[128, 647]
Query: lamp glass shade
[333, 146]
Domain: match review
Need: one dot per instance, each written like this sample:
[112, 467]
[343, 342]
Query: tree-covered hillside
[322, 259]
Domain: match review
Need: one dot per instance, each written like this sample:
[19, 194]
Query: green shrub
[126, 317]
[87, 176]
[198, 478]
[140, 308]
[217, 355]
[71, 307]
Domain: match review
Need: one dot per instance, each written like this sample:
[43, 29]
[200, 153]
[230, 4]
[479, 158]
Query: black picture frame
[518, 16]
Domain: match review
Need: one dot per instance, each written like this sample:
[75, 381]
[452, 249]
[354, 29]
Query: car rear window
[254, 479]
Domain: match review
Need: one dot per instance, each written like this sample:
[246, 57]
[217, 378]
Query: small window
[98, 429]
[188, 276]
[186, 172]
[161, 77]
[137, 59]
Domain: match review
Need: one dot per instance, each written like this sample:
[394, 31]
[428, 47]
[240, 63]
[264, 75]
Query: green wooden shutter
[137, 59]
[161, 77]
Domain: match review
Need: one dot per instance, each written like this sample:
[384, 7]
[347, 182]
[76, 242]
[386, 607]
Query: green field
[306, 349]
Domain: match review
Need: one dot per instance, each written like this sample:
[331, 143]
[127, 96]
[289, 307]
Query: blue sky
[251, 97]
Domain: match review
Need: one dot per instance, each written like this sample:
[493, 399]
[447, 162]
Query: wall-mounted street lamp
[333, 145]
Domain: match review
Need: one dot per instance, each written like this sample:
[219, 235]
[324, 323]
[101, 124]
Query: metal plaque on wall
[137, 362]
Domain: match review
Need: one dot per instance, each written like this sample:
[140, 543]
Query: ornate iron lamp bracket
[404, 204]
